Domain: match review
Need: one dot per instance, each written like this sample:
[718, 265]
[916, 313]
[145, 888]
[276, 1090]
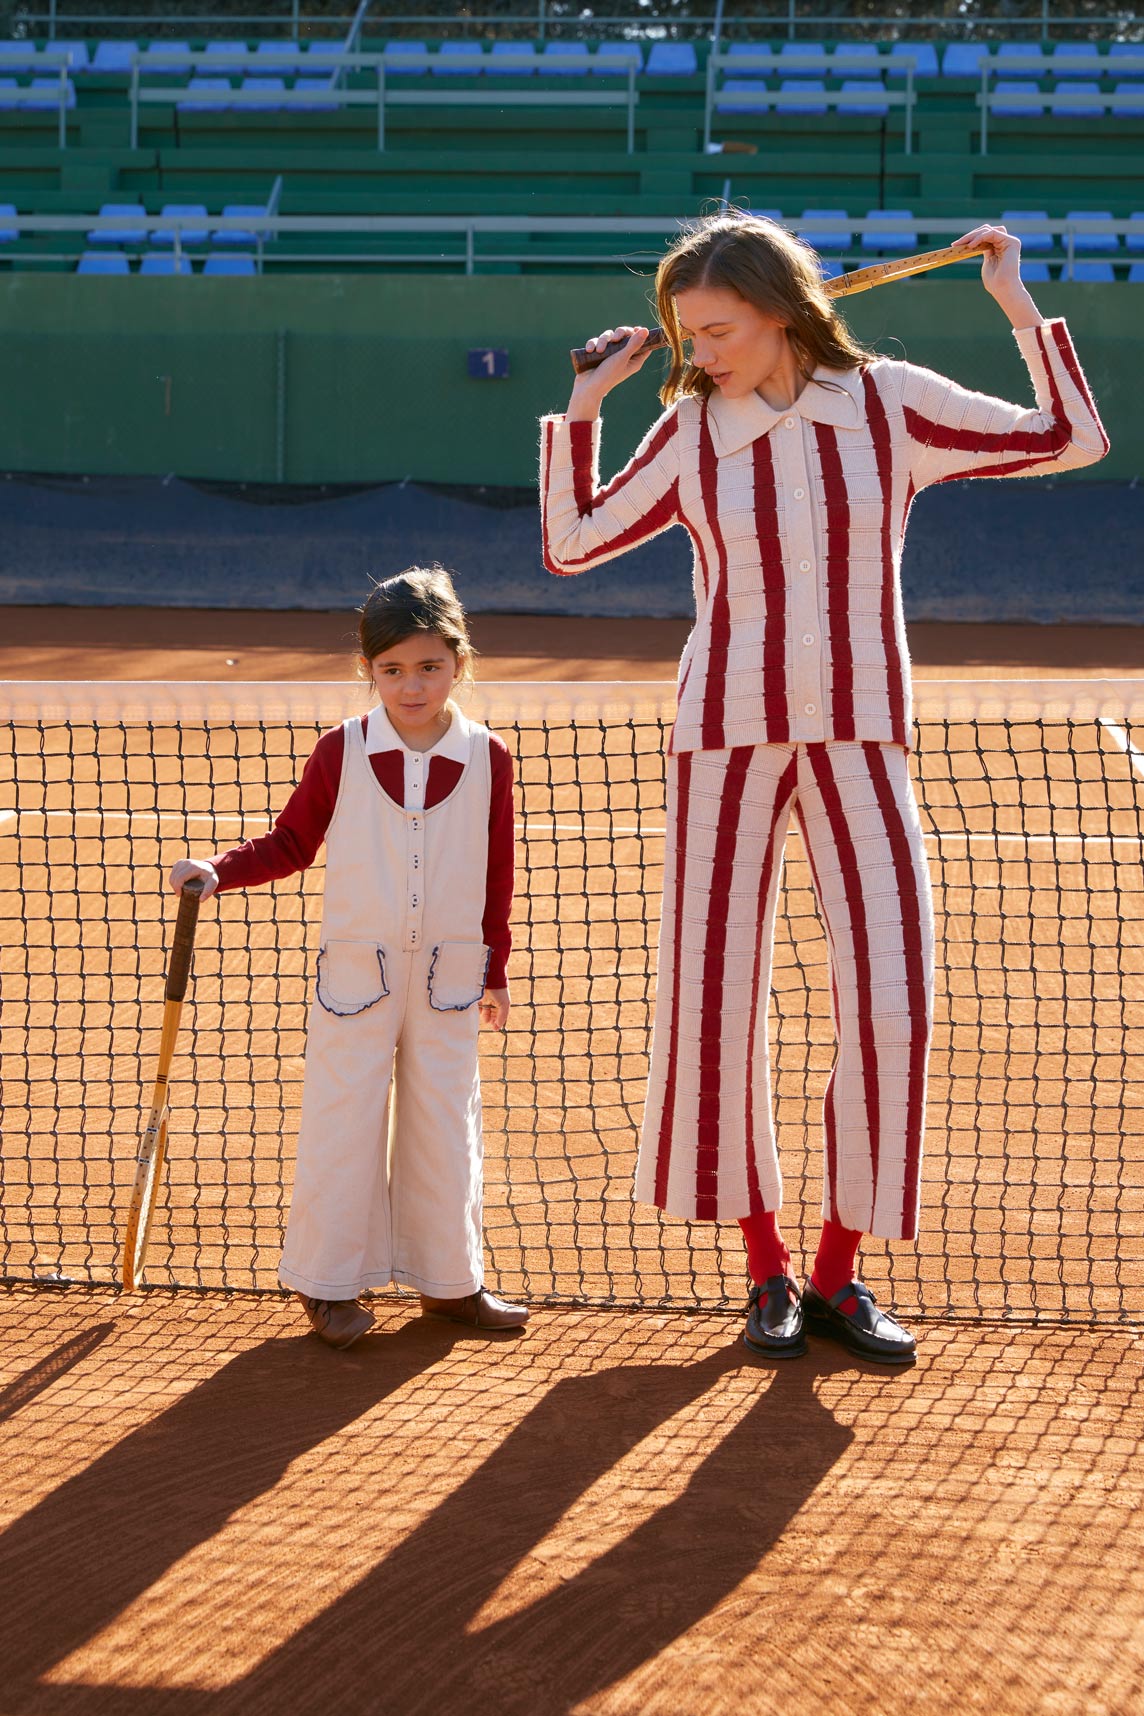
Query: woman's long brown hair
[771, 269]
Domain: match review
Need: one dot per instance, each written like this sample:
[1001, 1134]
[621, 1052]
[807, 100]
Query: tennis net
[1032, 798]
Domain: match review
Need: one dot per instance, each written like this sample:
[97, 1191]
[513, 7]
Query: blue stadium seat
[1075, 51]
[826, 229]
[7, 83]
[1126, 51]
[266, 85]
[564, 59]
[1018, 50]
[830, 270]
[1122, 110]
[450, 50]
[923, 54]
[1035, 273]
[79, 55]
[1136, 274]
[9, 224]
[1014, 86]
[808, 87]
[166, 265]
[1029, 241]
[878, 108]
[196, 234]
[235, 265]
[800, 50]
[741, 86]
[512, 59]
[165, 74]
[1094, 243]
[17, 50]
[613, 59]
[671, 59]
[128, 232]
[1132, 240]
[114, 58]
[237, 236]
[1061, 109]
[316, 86]
[741, 50]
[323, 50]
[47, 89]
[395, 52]
[963, 59]
[1101, 272]
[103, 262]
[204, 95]
[899, 236]
[226, 50]
[276, 50]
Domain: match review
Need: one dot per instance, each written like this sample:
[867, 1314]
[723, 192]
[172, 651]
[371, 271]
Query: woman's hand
[188, 867]
[493, 1008]
[590, 389]
[1001, 273]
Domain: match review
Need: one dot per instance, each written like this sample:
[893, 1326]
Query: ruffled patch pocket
[351, 977]
[457, 975]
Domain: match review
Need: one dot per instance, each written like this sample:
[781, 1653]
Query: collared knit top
[797, 518]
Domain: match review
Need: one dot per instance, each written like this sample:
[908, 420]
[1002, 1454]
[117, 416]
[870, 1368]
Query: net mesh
[1033, 1188]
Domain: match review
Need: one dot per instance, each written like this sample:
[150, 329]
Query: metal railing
[272, 228]
[1063, 99]
[544, 18]
[836, 64]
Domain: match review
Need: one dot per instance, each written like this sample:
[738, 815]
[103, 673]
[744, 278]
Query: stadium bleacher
[884, 140]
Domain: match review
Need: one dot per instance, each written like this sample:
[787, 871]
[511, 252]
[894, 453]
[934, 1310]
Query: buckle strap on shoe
[852, 1290]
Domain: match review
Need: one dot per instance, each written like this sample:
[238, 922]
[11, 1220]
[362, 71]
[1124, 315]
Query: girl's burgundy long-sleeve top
[292, 844]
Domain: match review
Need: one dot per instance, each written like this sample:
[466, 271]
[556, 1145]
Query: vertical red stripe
[776, 712]
[909, 894]
[1069, 358]
[580, 446]
[837, 581]
[884, 463]
[821, 763]
[667, 1119]
[829, 1112]
[719, 624]
[714, 973]
[545, 480]
[783, 794]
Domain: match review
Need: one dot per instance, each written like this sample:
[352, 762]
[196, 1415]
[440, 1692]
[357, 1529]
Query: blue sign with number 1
[488, 363]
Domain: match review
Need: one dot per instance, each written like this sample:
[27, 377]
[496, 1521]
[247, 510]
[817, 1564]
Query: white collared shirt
[797, 518]
[382, 735]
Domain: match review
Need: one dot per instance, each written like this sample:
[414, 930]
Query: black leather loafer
[774, 1323]
[865, 1331]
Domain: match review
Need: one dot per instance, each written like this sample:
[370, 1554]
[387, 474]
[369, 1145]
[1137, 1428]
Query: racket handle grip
[179, 969]
[584, 360]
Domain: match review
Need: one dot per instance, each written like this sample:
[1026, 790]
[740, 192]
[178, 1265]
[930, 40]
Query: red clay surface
[205, 1511]
[199, 643]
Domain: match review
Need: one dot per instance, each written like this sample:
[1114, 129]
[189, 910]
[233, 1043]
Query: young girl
[414, 803]
[791, 455]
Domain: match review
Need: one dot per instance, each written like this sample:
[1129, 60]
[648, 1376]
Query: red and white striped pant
[708, 1145]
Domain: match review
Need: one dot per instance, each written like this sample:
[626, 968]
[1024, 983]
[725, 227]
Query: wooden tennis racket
[153, 1149]
[843, 286]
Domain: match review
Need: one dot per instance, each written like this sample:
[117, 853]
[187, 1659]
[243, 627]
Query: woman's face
[739, 346]
[413, 681]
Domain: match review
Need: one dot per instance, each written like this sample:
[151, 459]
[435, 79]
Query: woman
[791, 455]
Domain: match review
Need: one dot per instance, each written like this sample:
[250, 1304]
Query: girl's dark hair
[771, 269]
[421, 599]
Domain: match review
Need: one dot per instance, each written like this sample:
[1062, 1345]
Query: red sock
[834, 1264]
[767, 1253]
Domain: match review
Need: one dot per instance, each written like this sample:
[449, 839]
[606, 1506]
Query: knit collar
[381, 735]
[735, 423]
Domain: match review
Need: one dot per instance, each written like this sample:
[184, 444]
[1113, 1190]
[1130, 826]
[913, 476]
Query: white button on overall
[788, 423]
[811, 709]
[808, 637]
[804, 565]
[800, 494]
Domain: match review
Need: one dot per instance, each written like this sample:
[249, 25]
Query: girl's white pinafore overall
[388, 1179]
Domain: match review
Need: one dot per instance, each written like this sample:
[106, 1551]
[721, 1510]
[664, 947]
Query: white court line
[1120, 737]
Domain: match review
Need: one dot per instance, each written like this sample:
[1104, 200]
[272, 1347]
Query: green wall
[362, 378]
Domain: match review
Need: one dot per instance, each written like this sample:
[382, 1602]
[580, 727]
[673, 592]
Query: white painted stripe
[1120, 737]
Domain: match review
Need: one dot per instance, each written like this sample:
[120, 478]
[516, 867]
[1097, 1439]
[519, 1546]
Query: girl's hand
[188, 867]
[1001, 273]
[493, 1008]
[590, 389]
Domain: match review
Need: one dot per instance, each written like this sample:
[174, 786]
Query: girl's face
[413, 681]
[739, 346]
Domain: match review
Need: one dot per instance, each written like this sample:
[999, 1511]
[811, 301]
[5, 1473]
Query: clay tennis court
[623, 1511]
